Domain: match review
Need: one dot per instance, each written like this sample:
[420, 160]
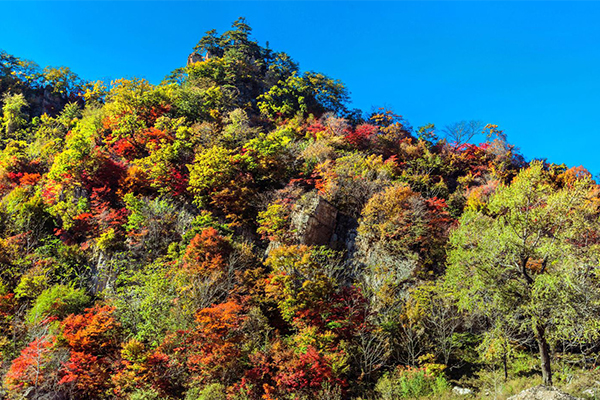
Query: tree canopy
[236, 232]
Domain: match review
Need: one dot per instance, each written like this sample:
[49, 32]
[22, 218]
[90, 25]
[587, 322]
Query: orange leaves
[29, 179]
[87, 373]
[207, 252]
[156, 136]
[95, 331]
[215, 350]
[22, 172]
[29, 369]
[139, 144]
[219, 320]
[209, 352]
[572, 175]
[135, 181]
[125, 148]
[94, 342]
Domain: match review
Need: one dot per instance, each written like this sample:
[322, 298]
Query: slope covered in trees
[237, 232]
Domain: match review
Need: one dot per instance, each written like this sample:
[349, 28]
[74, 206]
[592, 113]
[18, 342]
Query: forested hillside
[237, 232]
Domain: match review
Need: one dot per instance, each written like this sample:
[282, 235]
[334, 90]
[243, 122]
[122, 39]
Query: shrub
[409, 382]
[214, 391]
[58, 302]
[145, 394]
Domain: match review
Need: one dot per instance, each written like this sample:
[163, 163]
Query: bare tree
[373, 351]
[442, 321]
[462, 132]
[410, 337]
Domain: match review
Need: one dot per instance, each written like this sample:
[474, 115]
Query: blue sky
[531, 67]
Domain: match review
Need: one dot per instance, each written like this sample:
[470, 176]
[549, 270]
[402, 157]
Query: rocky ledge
[542, 392]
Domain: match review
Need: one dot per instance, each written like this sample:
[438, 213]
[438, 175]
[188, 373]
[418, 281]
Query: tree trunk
[540, 336]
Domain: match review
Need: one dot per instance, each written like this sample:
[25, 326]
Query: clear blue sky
[532, 68]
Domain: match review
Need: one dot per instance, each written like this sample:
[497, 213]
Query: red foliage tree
[343, 313]
[31, 372]
[93, 340]
[361, 136]
[211, 352]
[215, 343]
[207, 252]
[306, 373]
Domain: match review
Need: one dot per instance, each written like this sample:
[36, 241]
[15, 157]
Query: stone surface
[542, 392]
[344, 236]
[314, 220]
[590, 393]
[461, 391]
[194, 58]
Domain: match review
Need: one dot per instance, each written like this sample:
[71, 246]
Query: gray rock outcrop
[314, 220]
[542, 392]
[459, 391]
[194, 58]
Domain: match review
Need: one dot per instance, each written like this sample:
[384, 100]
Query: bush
[145, 394]
[214, 391]
[58, 302]
[408, 382]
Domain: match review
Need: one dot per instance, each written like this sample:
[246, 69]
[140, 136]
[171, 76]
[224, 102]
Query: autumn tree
[298, 282]
[215, 343]
[210, 352]
[93, 342]
[63, 81]
[462, 132]
[205, 277]
[401, 236]
[33, 373]
[531, 252]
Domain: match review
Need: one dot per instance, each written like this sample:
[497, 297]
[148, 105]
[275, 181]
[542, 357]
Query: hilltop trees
[236, 72]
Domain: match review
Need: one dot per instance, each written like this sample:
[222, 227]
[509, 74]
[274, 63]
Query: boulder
[461, 391]
[542, 392]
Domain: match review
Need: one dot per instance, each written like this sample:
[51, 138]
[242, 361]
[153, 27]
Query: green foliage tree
[13, 113]
[309, 93]
[529, 253]
[17, 74]
[63, 80]
[58, 302]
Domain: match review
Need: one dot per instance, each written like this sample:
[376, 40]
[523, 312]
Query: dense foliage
[237, 232]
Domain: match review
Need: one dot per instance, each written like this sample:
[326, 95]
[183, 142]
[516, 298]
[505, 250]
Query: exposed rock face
[398, 267]
[542, 392]
[194, 58]
[52, 103]
[314, 220]
[393, 266]
[344, 235]
[45, 101]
